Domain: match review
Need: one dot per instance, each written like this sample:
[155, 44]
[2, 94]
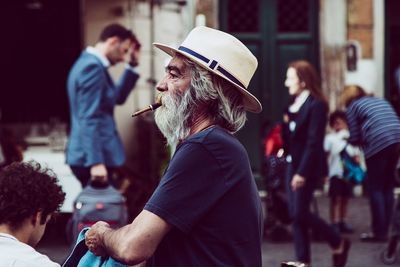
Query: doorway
[277, 32]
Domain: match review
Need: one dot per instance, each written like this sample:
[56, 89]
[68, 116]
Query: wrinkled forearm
[122, 246]
[136, 242]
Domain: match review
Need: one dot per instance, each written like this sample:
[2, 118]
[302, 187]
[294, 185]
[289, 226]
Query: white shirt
[299, 101]
[297, 104]
[104, 60]
[14, 253]
[334, 143]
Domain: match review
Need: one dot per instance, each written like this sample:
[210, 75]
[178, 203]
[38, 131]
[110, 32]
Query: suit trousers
[304, 220]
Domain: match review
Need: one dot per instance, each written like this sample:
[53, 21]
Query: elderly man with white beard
[206, 210]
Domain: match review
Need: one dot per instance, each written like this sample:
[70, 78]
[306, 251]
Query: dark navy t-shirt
[209, 196]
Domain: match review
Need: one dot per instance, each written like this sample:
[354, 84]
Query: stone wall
[360, 23]
[209, 9]
[356, 22]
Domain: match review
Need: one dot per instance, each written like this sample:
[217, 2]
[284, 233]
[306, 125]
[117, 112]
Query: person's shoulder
[40, 260]
[366, 100]
[216, 134]
[333, 138]
[19, 254]
[343, 134]
[88, 59]
[316, 106]
[24, 263]
[331, 135]
[318, 103]
[86, 63]
[213, 138]
[369, 104]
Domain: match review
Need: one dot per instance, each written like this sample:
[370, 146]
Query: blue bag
[82, 257]
[352, 170]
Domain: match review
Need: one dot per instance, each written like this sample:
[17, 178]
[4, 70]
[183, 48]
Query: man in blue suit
[94, 147]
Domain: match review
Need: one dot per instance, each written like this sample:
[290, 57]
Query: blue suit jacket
[92, 96]
[306, 141]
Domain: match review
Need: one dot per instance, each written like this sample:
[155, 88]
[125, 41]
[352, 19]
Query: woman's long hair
[308, 75]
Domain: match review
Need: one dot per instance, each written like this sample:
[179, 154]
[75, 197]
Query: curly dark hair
[25, 189]
[337, 114]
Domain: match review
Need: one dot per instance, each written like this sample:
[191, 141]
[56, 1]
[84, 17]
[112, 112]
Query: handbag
[352, 171]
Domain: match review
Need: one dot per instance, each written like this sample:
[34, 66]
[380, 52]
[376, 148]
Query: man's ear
[36, 218]
[113, 40]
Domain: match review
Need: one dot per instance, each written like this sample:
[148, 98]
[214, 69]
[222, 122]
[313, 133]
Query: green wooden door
[277, 32]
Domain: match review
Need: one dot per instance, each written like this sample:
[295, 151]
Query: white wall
[366, 76]
[333, 31]
[369, 72]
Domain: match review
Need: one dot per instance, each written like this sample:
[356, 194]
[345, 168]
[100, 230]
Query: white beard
[170, 117]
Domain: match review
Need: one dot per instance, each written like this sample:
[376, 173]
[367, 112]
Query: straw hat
[223, 55]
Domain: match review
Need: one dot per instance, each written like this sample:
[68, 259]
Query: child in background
[273, 142]
[340, 190]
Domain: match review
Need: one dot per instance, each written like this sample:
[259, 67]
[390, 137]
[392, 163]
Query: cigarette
[151, 107]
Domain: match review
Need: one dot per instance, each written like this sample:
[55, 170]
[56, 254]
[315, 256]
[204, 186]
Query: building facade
[350, 42]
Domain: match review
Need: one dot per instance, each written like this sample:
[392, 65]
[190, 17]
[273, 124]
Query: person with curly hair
[29, 196]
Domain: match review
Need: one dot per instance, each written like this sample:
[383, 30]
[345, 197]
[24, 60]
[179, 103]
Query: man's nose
[161, 85]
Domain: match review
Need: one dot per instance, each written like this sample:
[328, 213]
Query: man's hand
[94, 238]
[357, 159]
[98, 172]
[298, 181]
[135, 54]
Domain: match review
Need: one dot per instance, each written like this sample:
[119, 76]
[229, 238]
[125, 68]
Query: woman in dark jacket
[306, 122]
[375, 126]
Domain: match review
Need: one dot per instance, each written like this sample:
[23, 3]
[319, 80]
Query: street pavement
[361, 254]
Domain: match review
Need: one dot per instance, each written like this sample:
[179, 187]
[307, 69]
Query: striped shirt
[373, 124]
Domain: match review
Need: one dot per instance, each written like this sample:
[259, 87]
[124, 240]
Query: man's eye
[173, 75]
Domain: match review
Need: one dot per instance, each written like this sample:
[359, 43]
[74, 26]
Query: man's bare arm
[131, 244]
